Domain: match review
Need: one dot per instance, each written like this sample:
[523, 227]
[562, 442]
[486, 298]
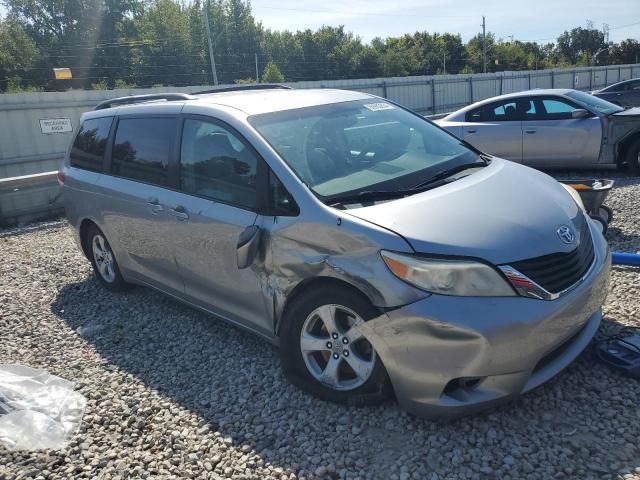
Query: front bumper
[451, 356]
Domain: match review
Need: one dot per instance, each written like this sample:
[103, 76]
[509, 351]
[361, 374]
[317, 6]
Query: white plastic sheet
[37, 410]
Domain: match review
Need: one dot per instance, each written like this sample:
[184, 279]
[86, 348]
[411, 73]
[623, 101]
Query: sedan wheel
[334, 353]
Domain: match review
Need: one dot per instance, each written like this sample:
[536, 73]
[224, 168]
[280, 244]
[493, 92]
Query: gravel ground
[173, 393]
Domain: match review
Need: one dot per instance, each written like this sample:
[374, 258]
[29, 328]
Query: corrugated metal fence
[28, 147]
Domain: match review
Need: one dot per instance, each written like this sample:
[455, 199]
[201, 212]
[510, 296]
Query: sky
[532, 20]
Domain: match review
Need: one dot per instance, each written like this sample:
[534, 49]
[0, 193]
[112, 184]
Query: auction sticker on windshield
[374, 107]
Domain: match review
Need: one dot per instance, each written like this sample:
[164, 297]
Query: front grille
[558, 271]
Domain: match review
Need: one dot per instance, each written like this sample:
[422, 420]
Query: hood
[502, 213]
[630, 112]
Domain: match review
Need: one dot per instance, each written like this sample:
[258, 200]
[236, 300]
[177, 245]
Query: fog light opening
[461, 388]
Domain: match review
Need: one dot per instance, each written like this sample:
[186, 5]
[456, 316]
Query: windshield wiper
[366, 195]
[443, 174]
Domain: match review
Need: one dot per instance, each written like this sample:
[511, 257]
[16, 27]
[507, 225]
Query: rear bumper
[505, 346]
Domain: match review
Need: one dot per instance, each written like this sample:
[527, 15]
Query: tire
[346, 307]
[606, 214]
[632, 157]
[104, 261]
[601, 222]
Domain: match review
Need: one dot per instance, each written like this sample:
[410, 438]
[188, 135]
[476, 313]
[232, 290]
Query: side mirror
[581, 113]
[248, 246]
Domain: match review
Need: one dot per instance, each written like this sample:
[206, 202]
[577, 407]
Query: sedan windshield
[362, 147]
[595, 103]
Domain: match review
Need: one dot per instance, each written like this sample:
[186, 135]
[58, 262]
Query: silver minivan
[383, 255]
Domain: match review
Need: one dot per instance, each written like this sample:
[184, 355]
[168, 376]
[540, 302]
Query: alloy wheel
[103, 257]
[334, 350]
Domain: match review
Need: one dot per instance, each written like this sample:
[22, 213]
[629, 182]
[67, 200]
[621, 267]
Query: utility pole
[257, 74]
[208, 30]
[484, 46]
[444, 62]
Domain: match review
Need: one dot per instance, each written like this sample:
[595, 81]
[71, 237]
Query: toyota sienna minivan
[380, 253]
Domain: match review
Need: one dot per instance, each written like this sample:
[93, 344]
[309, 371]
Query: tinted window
[90, 144]
[142, 149]
[504, 111]
[216, 164]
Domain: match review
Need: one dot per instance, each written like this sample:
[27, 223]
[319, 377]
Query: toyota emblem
[565, 234]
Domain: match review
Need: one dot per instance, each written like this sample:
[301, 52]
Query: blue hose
[630, 259]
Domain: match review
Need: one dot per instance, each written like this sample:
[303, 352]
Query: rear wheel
[324, 352]
[104, 261]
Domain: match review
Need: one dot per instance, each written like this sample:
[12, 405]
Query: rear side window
[142, 149]
[90, 144]
[216, 164]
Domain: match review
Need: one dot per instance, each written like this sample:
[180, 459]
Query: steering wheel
[324, 161]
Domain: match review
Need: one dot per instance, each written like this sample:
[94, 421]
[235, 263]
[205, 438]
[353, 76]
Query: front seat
[510, 112]
[327, 151]
[522, 107]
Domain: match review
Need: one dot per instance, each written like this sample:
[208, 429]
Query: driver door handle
[179, 212]
[530, 130]
[471, 130]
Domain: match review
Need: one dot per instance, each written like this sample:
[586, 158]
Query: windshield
[595, 103]
[360, 146]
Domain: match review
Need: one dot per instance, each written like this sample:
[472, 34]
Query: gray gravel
[173, 393]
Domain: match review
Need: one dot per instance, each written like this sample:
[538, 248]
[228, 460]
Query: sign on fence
[56, 125]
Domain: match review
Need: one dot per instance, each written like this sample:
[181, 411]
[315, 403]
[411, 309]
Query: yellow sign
[62, 73]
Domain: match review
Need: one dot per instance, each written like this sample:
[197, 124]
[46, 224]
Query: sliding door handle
[179, 212]
[154, 205]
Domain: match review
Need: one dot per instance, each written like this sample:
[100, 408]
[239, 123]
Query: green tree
[272, 74]
[165, 45]
[80, 34]
[627, 51]
[284, 49]
[474, 56]
[580, 45]
[18, 54]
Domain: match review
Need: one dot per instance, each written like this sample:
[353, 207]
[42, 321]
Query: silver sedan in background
[551, 128]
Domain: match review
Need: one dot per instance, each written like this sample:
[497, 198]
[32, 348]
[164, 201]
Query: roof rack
[240, 88]
[131, 99]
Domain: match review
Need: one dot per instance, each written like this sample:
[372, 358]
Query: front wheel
[324, 352]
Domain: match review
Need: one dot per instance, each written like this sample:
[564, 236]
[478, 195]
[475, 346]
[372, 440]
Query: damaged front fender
[300, 252]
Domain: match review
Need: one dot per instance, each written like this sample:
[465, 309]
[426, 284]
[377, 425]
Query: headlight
[574, 194]
[464, 278]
